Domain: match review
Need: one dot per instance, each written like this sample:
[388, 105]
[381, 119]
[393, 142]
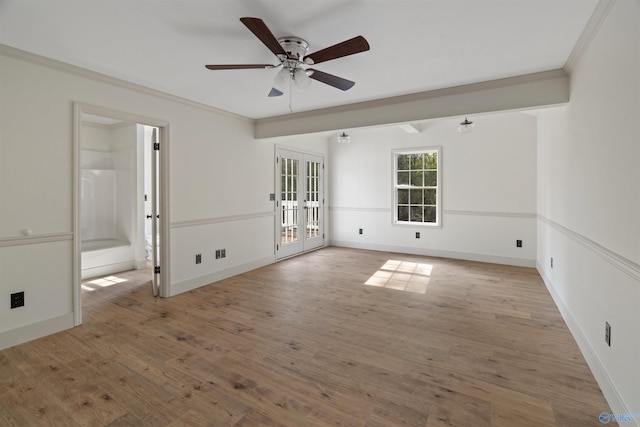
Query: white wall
[228, 208]
[488, 190]
[220, 181]
[589, 205]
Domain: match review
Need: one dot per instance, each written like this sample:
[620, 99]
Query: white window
[417, 186]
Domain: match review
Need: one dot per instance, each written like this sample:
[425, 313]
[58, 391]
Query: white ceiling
[416, 45]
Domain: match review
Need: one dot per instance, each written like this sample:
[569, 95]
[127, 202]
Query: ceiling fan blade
[331, 80]
[348, 47]
[238, 66]
[275, 92]
[261, 31]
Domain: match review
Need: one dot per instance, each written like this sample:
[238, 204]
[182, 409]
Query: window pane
[429, 214]
[415, 197]
[431, 161]
[416, 161]
[416, 179]
[403, 178]
[403, 197]
[404, 162]
[430, 196]
[403, 213]
[431, 178]
[416, 213]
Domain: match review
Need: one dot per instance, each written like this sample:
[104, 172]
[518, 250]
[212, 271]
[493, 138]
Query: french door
[299, 201]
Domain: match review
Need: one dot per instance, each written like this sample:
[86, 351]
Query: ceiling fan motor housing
[295, 47]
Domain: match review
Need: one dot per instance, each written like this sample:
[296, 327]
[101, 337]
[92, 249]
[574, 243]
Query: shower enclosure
[112, 197]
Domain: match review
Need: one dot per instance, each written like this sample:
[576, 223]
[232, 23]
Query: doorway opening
[119, 200]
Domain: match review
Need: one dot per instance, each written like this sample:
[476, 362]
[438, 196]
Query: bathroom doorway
[119, 200]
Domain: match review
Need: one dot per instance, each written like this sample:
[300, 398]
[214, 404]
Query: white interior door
[155, 215]
[299, 201]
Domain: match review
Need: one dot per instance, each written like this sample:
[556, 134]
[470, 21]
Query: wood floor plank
[334, 337]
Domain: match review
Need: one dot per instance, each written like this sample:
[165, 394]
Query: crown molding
[22, 55]
[600, 13]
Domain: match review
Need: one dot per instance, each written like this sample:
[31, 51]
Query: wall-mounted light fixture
[466, 126]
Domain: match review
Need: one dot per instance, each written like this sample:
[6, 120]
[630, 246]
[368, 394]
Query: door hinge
[277, 159]
[156, 269]
[322, 236]
[277, 247]
[156, 146]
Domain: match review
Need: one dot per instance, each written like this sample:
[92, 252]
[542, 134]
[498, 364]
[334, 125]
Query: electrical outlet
[218, 254]
[223, 253]
[417, 234]
[607, 333]
[198, 258]
[17, 300]
[518, 243]
[359, 230]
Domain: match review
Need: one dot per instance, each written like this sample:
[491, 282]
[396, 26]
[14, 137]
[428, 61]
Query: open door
[155, 216]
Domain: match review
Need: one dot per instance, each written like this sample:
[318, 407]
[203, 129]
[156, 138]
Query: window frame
[395, 186]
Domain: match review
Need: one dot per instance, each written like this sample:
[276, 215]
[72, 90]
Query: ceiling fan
[291, 52]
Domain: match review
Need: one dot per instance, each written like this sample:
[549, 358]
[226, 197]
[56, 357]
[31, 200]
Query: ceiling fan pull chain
[290, 96]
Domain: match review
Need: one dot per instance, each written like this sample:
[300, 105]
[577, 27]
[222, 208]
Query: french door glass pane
[313, 202]
[289, 214]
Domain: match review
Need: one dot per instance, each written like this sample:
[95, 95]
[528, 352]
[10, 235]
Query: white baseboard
[597, 369]
[103, 270]
[196, 282]
[36, 330]
[494, 259]
[139, 264]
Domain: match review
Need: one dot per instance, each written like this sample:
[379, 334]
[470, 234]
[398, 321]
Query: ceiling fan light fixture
[466, 126]
[301, 78]
[343, 138]
[281, 79]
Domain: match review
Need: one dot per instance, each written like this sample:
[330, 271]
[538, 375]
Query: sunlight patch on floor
[402, 276]
[103, 282]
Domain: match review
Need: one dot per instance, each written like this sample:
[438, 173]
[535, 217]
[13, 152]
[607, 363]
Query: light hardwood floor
[336, 337]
